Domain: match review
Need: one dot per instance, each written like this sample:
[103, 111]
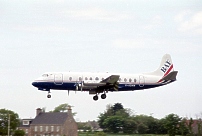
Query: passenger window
[125, 79]
[45, 75]
[135, 80]
[70, 78]
[96, 78]
[86, 78]
[130, 80]
[91, 78]
[102, 78]
[80, 79]
[119, 79]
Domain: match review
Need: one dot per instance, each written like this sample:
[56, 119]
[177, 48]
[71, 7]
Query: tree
[142, 128]
[117, 107]
[171, 123]
[150, 124]
[160, 127]
[7, 116]
[129, 125]
[19, 133]
[114, 123]
[183, 127]
[63, 108]
[199, 124]
[105, 115]
[116, 118]
[189, 124]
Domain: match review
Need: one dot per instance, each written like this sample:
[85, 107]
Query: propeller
[116, 86]
[81, 83]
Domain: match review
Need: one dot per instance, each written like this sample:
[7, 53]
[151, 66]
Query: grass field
[93, 134]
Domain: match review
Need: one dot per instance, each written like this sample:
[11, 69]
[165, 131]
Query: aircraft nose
[35, 84]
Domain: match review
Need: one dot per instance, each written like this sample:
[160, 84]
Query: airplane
[102, 83]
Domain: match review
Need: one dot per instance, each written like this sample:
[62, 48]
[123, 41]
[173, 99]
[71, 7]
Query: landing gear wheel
[48, 96]
[103, 96]
[95, 98]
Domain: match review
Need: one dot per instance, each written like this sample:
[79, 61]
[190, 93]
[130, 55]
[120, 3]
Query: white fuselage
[97, 83]
[68, 80]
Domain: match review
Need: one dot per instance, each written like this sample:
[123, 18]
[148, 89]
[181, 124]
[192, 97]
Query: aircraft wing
[107, 83]
[111, 79]
[111, 82]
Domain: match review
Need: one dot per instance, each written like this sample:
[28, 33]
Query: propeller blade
[116, 86]
[116, 89]
[82, 86]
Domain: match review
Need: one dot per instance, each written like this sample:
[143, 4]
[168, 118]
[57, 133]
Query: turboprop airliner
[102, 83]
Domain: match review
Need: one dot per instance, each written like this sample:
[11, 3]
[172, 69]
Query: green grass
[92, 134]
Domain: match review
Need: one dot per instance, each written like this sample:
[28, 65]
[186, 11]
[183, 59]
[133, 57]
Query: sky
[117, 36]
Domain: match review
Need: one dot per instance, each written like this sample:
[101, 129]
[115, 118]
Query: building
[50, 124]
[25, 125]
[89, 126]
[196, 126]
[94, 126]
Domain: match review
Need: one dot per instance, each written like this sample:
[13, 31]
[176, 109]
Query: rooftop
[50, 118]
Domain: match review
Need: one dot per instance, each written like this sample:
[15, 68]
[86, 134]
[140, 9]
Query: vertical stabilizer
[165, 67]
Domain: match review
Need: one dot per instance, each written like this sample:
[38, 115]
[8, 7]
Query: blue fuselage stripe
[72, 86]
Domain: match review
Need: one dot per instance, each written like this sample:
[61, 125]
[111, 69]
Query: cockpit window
[45, 75]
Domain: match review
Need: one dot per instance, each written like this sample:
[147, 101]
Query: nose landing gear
[49, 96]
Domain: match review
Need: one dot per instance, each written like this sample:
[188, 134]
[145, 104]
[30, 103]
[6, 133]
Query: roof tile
[50, 118]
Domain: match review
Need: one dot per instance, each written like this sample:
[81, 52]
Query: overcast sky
[126, 36]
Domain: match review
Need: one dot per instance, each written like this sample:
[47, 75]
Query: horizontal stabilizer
[171, 76]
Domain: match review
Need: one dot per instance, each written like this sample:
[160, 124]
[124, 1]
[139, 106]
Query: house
[25, 125]
[51, 124]
[196, 126]
[89, 126]
[94, 126]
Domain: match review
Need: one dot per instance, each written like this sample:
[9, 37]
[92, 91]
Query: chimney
[69, 111]
[38, 111]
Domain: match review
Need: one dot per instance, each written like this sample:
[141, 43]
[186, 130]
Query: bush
[19, 133]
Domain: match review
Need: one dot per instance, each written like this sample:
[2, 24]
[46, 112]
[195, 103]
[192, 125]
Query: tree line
[117, 119]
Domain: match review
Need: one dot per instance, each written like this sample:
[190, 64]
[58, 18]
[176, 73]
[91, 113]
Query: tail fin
[165, 67]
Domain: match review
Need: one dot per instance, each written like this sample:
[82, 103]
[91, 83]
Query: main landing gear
[103, 96]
